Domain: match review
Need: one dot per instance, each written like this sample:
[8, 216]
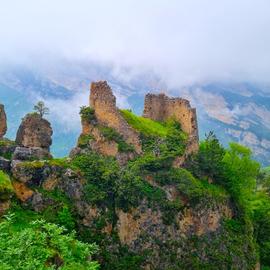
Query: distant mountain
[235, 112]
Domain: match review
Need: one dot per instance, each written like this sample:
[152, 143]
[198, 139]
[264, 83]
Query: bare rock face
[3, 121]
[34, 131]
[30, 153]
[103, 102]
[161, 108]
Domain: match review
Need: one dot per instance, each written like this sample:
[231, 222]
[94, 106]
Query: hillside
[140, 187]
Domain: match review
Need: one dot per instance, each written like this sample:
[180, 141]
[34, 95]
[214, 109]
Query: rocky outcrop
[103, 102]
[30, 153]
[34, 138]
[34, 131]
[157, 107]
[4, 164]
[3, 121]
[161, 108]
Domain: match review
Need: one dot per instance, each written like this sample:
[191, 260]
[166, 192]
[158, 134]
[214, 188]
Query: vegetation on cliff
[41, 245]
[211, 213]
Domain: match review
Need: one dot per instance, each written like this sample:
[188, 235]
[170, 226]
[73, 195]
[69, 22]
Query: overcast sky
[187, 41]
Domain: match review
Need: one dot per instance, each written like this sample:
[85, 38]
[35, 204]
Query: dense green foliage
[87, 113]
[235, 170]
[212, 179]
[42, 245]
[5, 186]
[83, 141]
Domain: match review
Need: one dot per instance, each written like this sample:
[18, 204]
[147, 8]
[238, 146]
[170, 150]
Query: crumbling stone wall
[161, 108]
[3, 121]
[103, 102]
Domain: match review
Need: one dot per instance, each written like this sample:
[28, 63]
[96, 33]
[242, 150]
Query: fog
[185, 42]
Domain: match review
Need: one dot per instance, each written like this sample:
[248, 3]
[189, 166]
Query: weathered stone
[103, 102]
[3, 121]
[4, 164]
[34, 131]
[4, 207]
[30, 153]
[71, 185]
[23, 193]
[7, 148]
[39, 203]
[161, 108]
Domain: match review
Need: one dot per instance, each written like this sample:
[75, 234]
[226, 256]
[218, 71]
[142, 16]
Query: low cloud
[185, 41]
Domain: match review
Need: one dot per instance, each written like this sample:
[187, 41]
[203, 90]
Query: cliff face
[3, 121]
[122, 188]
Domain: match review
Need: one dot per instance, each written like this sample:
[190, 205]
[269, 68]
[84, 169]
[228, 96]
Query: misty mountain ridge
[235, 112]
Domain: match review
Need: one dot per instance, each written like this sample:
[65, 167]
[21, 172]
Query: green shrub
[65, 218]
[42, 245]
[87, 114]
[83, 141]
[6, 142]
[6, 188]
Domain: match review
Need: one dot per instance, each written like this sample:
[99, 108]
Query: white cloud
[187, 41]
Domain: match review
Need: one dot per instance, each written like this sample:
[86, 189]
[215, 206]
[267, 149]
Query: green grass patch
[7, 142]
[145, 125]
[5, 186]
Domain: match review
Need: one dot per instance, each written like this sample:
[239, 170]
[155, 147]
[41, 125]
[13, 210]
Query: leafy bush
[65, 218]
[42, 245]
[208, 162]
[6, 188]
[87, 114]
[84, 140]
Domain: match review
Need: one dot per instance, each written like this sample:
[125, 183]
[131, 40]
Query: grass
[145, 125]
[5, 185]
[7, 142]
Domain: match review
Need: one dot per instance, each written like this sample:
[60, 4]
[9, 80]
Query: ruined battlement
[103, 102]
[157, 107]
[160, 107]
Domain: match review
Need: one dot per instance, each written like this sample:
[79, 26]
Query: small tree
[41, 109]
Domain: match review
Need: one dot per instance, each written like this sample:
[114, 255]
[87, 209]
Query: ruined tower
[103, 102]
[161, 108]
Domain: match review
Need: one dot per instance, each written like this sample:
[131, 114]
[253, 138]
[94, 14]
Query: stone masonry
[161, 108]
[103, 102]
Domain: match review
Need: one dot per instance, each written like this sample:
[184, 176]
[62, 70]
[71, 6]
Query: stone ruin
[157, 107]
[103, 102]
[33, 138]
[161, 108]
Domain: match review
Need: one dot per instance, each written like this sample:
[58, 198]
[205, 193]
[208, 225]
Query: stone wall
[103, 102]
[3, 121]
[161, 107]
